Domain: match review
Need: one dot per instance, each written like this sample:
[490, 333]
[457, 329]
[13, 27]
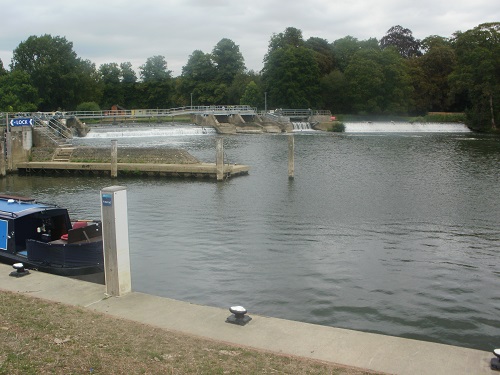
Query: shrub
[88, 106]
[338, 127]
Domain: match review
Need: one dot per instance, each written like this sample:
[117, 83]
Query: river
[388, 232]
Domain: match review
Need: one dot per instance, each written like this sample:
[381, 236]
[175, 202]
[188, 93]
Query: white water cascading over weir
[405, 127]
[301, 126]
[144, 132]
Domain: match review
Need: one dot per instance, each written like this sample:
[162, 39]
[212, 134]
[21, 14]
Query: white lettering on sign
[21, 122]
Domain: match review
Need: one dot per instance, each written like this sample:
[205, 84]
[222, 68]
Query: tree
[2, 69]
[333, 88]
[291, 74]
[402, 40]
[252, 96]
[156, 87]
[127, 73]
[17, 94]
[199, 79]
[291, 37]
[53, 68]
[129, 85]
[344, 49]
[323, 53]
[112, 88]
[378, 82]
[430, 74]
[239, 84]
[477, 73]
[228, 61]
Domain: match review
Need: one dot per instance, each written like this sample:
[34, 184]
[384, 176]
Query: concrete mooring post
[115, 240]
[291, 164]
[219, 159]
[114, 159]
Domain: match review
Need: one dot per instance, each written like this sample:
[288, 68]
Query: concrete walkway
[346, 347]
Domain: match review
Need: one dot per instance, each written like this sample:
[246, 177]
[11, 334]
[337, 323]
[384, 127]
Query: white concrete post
[115, 240]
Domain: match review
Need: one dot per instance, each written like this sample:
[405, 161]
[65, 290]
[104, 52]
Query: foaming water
[140, 132]
[404, 127]
[393, 234]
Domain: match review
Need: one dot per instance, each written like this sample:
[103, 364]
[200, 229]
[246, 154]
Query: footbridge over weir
[226, 119]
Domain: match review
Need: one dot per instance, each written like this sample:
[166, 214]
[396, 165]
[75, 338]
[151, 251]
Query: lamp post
[265, 102]
[191, 101]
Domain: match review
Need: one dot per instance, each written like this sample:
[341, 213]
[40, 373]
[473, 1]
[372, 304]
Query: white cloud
[124, 30]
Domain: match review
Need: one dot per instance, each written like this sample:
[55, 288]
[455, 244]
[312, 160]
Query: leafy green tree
[129, 85]
[17, 94]
[343, 50]
[252, 96]
[378, 82]
[88, 88]
[333, 88]
[429, 75]
[53, 68]
[402, 40]
[88, 106]
[127, 73]
[291, 74]
[239, 84]
[323, 53]
[156, 87]
[477, 73]
[2, 69]
[112, 88]
[199, 79]
[228, 61]
[291, 37]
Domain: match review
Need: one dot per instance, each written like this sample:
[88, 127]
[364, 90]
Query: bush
[88, 106]
[445, 117]
[338, 127]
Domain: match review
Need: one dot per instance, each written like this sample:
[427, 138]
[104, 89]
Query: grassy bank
[44, 337]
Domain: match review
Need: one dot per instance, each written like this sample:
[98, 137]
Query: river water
[388, 232]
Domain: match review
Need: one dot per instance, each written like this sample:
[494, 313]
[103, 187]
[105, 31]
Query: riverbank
[40, 336]
[96, 342]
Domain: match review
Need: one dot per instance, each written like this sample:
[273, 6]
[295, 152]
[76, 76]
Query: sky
[132, 31]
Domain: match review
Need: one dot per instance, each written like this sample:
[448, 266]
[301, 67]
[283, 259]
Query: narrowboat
[43, 237]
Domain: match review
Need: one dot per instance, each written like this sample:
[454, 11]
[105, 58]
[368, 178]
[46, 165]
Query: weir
[163, 132]
[405, 127]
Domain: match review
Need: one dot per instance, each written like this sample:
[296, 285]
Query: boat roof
[15, 207]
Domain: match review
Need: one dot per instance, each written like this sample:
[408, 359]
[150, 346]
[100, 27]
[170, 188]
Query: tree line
[396, 75]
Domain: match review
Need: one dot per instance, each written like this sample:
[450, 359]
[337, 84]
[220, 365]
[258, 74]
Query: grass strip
[40, 337]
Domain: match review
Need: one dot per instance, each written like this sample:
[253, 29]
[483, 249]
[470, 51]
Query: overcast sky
[123, 30]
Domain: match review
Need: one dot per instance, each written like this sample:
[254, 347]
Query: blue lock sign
[21, 122]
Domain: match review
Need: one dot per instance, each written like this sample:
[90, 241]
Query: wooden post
[291, 148]
[115, 240]
[220, 159]
[8, 145]
[114, 159]
[3, 171]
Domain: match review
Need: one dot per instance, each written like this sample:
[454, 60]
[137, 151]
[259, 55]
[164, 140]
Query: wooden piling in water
[219, 159]
[114, 159]
[291, 164]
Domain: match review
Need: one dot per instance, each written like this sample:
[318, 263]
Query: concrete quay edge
[345, 347]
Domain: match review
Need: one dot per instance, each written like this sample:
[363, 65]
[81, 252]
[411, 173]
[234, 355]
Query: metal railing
[52, 128]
